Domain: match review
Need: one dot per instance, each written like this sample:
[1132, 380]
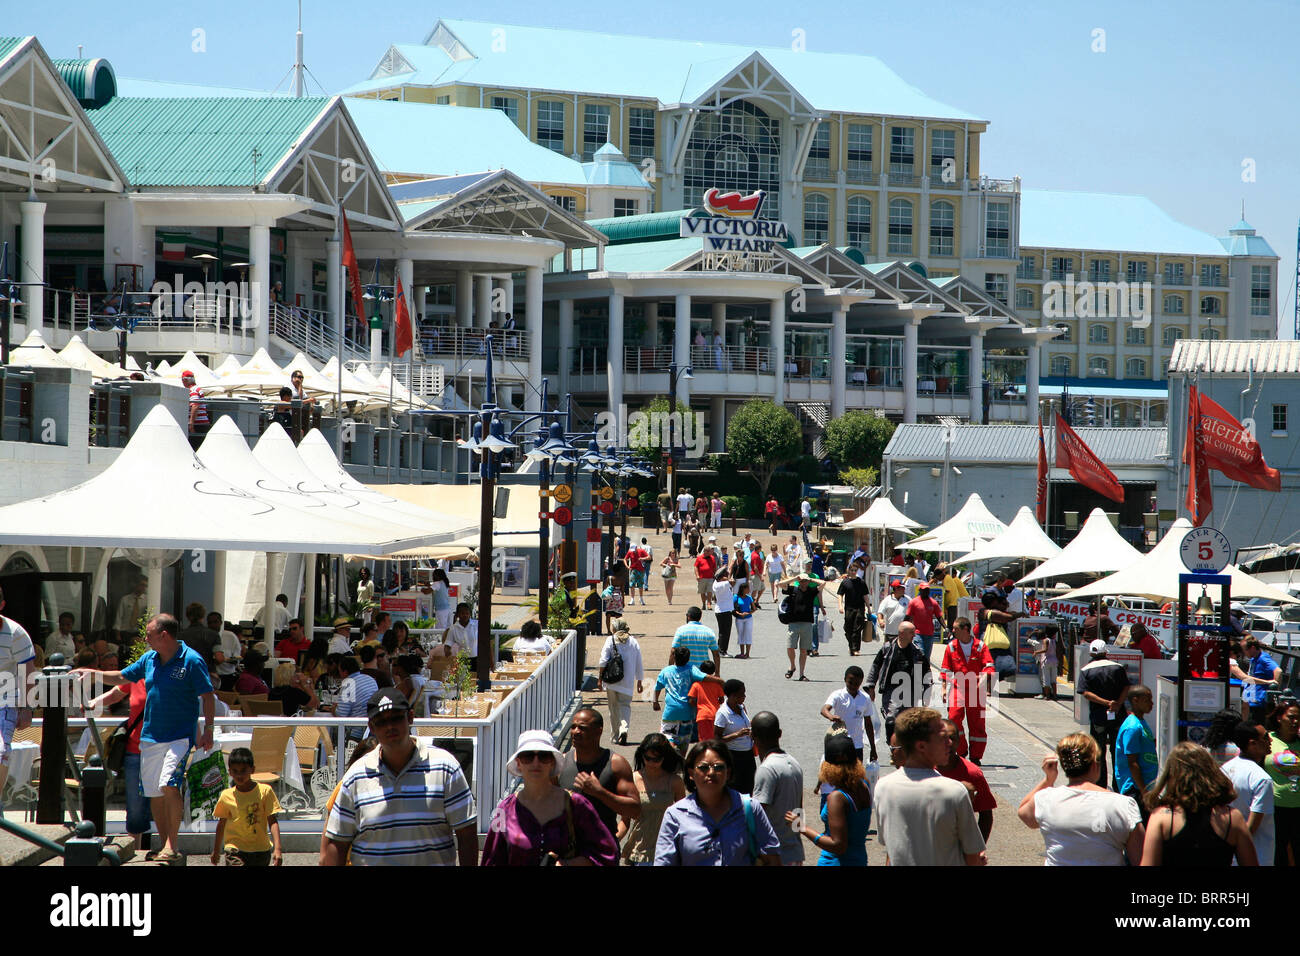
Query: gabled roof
[980, 303]
[1018, 444]
[844, 273]
[914, 287]
[611, 168]
[1242, 241]
[1058, 219]
[1236, 356]
[671, 71]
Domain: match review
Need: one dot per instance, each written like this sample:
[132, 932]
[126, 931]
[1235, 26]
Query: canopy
[401, 394]
[518, 529]
[1155, 575]
[1097, 548]
[964, 530]
[34, 353]
[189, 362]
[76, 354]
[157, 495]
[259, 375]
[883, 516]
[231, 364]
[1022, 539]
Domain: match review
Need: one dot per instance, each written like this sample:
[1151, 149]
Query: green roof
[92, 82]
[653, 256]
[650, 225]
[8, 45]
[196, 141]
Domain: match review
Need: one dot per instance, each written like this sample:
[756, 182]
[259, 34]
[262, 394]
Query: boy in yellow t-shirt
[245, 813]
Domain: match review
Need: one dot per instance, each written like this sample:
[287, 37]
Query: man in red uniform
[706, 568]
[967, 672]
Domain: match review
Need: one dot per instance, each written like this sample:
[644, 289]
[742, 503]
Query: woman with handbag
[994, 618]
[669, 566]
[621, 674]
[123, 756]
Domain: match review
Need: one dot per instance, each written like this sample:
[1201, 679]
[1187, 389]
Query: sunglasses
[530, 755]
[655, 757]
[707, 768]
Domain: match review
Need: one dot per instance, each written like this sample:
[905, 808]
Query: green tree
[859, 478]
[763, 435]
[858, 440]
[648, 438]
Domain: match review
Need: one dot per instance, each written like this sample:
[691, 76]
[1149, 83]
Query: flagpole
[1047, 494]
[392, 363]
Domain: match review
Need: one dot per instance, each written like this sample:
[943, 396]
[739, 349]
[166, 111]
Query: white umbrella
[1096, 549]
[230, 365]
[76, 354]
[189, 362]
[883, 516]
[259, 375]
[34, 353]
[1023, 539]
[964, 530]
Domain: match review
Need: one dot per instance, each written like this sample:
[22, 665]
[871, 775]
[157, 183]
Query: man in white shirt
[852, 707]
[16, 654]
[130, 609]
[227, 651]
[458, 639]
[341, 639]
[685, 502]
[62, 641]
[1254, 786]
[893, 610]
[805, 512]
[792, 555]
[1015, 596]
[279, 619]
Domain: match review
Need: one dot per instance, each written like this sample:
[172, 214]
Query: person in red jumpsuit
[967, 672]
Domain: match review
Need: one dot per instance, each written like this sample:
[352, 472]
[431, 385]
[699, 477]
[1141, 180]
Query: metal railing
[465, 343]
[999, 185]
[1210, 282]
[727, 358]
[1171, 278]
[880, 377]
[72, 311]
[817, 169]
[1023, 273]
[312, 333]
[937, 178]
[16, 386]
[110, 415]
[902, 175]
[860, 172]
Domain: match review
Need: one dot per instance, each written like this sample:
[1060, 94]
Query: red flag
[1040, 512]
[1084, 466]
[402, 340]
[1199, 501]
[1230, 448]
[350, 263]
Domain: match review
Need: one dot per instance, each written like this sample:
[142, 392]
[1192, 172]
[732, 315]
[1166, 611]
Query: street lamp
[686, 374]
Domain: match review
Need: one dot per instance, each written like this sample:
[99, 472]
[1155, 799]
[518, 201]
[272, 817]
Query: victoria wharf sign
[732, 225]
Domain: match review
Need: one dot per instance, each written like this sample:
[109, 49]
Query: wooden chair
[269, 744]
[244, 700]
[262, 708]
[229, 698]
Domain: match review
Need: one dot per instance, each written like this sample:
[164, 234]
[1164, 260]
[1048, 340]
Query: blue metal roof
[1056, 219]
[135, 87]
[611, 168]
[1082, 388]
[672, 71]
[434, 188]
[1242, 241]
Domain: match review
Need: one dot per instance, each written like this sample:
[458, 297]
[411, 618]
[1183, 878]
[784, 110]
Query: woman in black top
[1193, 823]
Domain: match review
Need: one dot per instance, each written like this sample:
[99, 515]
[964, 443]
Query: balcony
[1034, 273]
[999, 185]
[446, 342]
[1213, 282]
[938, 182]
[1176, 279]
[817, 170]
[902, 174]
[859, 172]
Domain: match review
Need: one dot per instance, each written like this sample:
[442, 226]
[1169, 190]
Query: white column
[839, 356]
[717, 424]
[308, 593]
[909, 370]
[533, 308]
[464, 298]
[614, 357]
[270, 589]
[1031, 380]
[153, 593]
[259, 280]
[976, 382]
[334, 284]
[483, 301]
[719, 323]
[778, 348]
[32, 268]
[507, 286]
[682, 346]
[219, 583]
[421, 302]
[566, 346]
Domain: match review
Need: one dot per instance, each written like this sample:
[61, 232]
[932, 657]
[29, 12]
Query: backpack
[612, 672]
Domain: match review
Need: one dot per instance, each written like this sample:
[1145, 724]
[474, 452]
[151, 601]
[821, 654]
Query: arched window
[816, 219]
[1099, 334]
[1209, 305]
[858, 223]
[941, 228]
[1024, 298]
[900, 227]
[1174, 304]
[1135, 336]
[1098, 365]
[1209, 333]
[1061, 365]
[736, 147]
[1171, 335]
[1135, 368]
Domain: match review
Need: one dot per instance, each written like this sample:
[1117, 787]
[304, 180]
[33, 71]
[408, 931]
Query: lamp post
[673, 373]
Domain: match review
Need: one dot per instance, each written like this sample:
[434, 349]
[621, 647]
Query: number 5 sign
[1205, 551]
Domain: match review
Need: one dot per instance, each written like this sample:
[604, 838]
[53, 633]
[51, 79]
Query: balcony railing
[1213, 282]
[1023, 273]
[902, 174]
[1176, 279]
[874, 376]
[817, 169]
[860, 172]
[72, 311]
[937, 178]
[729, 358]
[463, 343]
[999, 185]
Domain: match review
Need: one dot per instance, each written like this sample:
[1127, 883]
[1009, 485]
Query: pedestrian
[902, 674]
[793, 555]
[1044, 643]
[620, 681]
[1097, 625]
[694, 537]
[743, 615]
[676, 681]
[139, 818]
[16, 653]
[713, 825]
[846, 808]
[772, 510]
[731, 727]
[715, 508]
[1105, 685]
[800, 608]
[1141, 639]
[775, 565]
[893, 610]
[923, 818]
[756, 570]
[658, 779]
[994, 618]
[677, 527]
[927, 615]
[967, 674]
[684, 502]
[702, 510]
[706, 697]
[701, 641]
[1193, 823]
[199, 636]
[723, 608]
[852, 708]
[778, 784]
[953, 591]
[1283, 765]
[178, 686]
[669, 567]
[739, 568]
[1136, 763]
[805, 514]
[638, 562]
[1255, 799]
[1263, 673]
[248, 818]
[1083, 824]
[599, 774]
[542, 824]
[853, 602]
[706, 572]
[969, 774]
[613, 600]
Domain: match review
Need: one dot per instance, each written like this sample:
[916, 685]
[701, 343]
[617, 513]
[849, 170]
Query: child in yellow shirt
[247, 814]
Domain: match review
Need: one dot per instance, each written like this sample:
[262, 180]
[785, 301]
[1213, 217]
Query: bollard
[94, 782]
[733, 524]
[83, 849]
[51, 689]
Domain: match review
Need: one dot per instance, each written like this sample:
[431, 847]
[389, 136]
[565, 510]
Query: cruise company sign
[734, 236]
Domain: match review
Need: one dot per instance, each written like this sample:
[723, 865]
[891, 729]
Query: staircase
[818, 415]
[295, 329]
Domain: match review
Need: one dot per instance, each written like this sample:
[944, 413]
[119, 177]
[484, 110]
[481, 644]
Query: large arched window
[1172, 334]
[1099, 334]
[1098, 365]
[941, 228]
[735, 147]
[816, 219]
[858, 222]
[900, 227]
[1061, 365]
[1135, 368]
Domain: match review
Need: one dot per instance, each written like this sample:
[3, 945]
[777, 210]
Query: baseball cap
[187, 374]
[1097, 647]
[386, 700]
[923, 586]
[1008, 583]
[838, 749]
[896, 583]
[1237, 606]
[713, 537]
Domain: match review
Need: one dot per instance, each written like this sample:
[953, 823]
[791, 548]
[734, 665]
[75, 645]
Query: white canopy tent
[518, 529]
[1155, 575]
[1097, 548]
[962, 532]
[230, 365]
[883, 516]
[1023, 539]
[35, 353]
[189, 362]
[76, 354]
[258, 376]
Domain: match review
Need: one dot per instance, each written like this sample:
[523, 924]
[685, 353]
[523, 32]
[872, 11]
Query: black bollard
[94, 782]
[83, 849]
[52, 691]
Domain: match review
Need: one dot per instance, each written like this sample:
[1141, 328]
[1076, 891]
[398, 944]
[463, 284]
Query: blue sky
[1184, 93]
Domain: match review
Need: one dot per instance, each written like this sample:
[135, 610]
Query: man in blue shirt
[698, 639]
[675, 681]
[1264, 673]
[176, 680]
[1136, 764]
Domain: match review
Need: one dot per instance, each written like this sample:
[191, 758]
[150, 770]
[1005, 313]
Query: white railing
[79, 312]
[312, 333]
[466, 343]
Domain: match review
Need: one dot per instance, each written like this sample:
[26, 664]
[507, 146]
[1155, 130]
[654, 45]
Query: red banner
[1085, 467]
[1199, 501]
[1229, 448]
[350, 263]
[1040, 510]
[402, 339]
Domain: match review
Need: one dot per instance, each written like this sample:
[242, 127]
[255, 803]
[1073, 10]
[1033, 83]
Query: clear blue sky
[1184, 92]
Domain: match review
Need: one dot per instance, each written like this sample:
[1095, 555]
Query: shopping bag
[205, 779]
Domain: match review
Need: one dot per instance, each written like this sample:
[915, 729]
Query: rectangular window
[902, 154]
[1261, 290]
[997, 229]
[818, 166]
[1174, 274]
[640, 133]
[1279, 419]
[1211, 275]
[995, 284]
[550, 124]
[943, 156]
[1134, 336]
[900, 228]
[567, 203]
[1099, 270]
[508, 105]
[1062, 266]
[941, 229]
[625, 207]
[595, 130]
[444, 100]
[859, 153]
[1137, 272]
[1028, 268]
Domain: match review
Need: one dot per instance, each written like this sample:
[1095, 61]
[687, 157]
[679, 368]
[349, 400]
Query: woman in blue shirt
[743, 614]
[846, 810]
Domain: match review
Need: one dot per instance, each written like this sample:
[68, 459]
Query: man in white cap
[1104, 684]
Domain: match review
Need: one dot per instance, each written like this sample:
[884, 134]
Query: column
[717, 424]
[719, 317]
[483, 301]
[909, 370]
[334, 285]
[778, 348]
[650, 338]
[421, 303]
[464, 298]
[566, 347]
[506, 284]
[270, 588]
[32, 268]
[614, 356]
[976, 381]
[839, 358]
[533, 308]
[259, 281]
[406, 272]
[153, 593]
[308, 593]
[682, 346]
[219, 582]
[1031, 379]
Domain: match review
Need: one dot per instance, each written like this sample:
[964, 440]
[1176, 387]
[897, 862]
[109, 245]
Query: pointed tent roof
[972, 524]
[34, 353]
[884, 516]
[1097, 548]
[1024, 538]
[231, 364]
[260, 375]
[78, 355]
[158, 495]
[203, 376]
[1155, 575]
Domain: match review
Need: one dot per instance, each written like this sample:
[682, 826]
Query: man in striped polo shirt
[402, 803]
[696, 637]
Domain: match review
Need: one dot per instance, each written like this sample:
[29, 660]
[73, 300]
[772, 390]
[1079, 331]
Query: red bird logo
[733, 205]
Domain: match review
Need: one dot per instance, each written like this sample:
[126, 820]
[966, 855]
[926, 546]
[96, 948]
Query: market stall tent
[962, 532]
[1097, 548]
[883, 516]
[1023, 539]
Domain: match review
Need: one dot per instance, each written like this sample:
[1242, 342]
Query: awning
[882, 515]
[1096, 549]
[1022, 539]
[962, 532]
[518, 529]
